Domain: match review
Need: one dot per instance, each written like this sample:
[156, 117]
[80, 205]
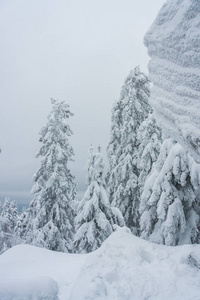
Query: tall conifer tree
[51, 214]
[128, 114]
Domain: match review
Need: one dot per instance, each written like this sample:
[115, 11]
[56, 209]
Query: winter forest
[147, 200]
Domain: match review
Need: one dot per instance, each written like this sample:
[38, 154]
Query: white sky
[77, 51]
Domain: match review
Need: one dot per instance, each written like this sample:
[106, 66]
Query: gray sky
[77, 51]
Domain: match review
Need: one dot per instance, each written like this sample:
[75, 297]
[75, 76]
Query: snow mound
[24, 265]
[129, 268]
[124, 268]
[173, 45]
[25, 289]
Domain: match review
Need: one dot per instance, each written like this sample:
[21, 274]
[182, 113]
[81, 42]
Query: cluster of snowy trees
[11, 225]
[152, 184]
[54, 219]
[133, 147]
[154, 181]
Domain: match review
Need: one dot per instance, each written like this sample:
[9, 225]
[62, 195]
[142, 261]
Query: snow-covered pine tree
[51, 214]
[94, 221]
[170, 203]
[8, 221]
[114, 147]
[131, 110]
[148, 144]
[21, 225]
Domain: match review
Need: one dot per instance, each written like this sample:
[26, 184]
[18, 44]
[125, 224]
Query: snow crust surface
[173, 45]
[124, 268]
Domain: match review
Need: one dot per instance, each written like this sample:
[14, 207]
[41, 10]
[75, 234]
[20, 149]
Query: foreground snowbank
[37, 288]
[125, 267]
[37, 267]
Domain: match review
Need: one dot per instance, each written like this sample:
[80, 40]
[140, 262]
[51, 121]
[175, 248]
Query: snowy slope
[173, 43]
[124, 268]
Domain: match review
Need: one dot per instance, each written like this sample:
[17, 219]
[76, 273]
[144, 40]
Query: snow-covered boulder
[173, 43]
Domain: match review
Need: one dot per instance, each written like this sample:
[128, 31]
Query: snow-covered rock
[124, 268]
[173, 43]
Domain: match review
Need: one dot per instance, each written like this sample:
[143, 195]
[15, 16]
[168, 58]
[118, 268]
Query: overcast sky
[77, 51]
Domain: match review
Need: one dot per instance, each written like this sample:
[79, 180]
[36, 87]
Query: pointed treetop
[61, 106]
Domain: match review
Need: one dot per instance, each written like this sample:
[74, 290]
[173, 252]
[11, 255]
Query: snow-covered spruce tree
[170, 203]
[21, 225]
[94, 221]
[148, 144]
[114, 147]
[51, 214]
[129, 112]
[8, 221]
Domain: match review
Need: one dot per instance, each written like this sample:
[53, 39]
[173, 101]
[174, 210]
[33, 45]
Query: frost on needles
[51, 214]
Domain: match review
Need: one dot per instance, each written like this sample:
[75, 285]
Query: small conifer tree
[22, 224]
[8, 222]
[94, 221]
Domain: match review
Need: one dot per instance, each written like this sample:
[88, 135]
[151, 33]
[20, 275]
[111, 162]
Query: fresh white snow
[24, 265]
[124, 268]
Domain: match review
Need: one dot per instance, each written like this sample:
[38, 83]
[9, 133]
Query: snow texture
[27, 266]
[124, 268]
[173, 45]
[22, 289]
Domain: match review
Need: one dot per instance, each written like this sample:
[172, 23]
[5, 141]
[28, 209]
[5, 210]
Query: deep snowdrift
[124, 268]
[173, 43]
